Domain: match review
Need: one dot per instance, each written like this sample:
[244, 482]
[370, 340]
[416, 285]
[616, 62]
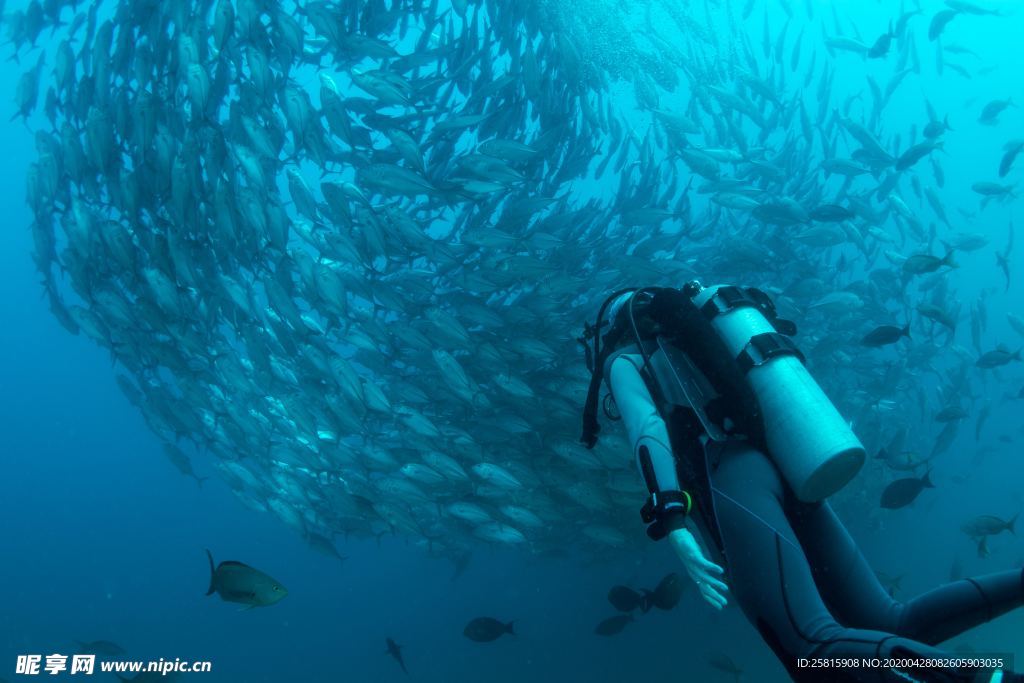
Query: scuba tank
[806, 437]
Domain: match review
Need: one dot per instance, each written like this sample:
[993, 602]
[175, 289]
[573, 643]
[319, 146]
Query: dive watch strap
[664, 512]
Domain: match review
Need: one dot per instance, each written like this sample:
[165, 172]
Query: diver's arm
[669, 504]
[650, 444]
[668, 508]
[667, 511]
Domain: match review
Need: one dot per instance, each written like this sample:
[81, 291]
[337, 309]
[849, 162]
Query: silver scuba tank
[807, 438]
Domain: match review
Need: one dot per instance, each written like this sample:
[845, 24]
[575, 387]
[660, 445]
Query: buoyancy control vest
[762, 391]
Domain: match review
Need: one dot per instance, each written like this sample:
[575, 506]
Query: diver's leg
[648, 435]
[772, 581]
[951, 609]
[855, 596]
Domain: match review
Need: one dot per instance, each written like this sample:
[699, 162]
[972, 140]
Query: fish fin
[213, 575]
[948, 259]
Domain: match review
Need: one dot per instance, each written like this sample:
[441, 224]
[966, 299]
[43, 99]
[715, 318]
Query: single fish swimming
[903, 492]
[395, 652]
[487, 629]
[238, 582]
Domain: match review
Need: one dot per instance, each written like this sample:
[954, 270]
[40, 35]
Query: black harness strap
[590, 424]
[730, 297]
[763, 347]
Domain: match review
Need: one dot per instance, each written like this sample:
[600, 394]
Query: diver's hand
[704, 572]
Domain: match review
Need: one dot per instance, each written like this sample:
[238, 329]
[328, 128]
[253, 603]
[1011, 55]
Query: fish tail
[945, 122]
[906, 330]
[646, 603]
[213, 575]
[510, 627]
[948, 260]
[926, 480]
[1010, 524]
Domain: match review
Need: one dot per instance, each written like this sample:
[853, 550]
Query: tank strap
[726, 299]
[763, 347]
[730, 297]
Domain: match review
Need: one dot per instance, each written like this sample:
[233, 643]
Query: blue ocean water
[103, 539]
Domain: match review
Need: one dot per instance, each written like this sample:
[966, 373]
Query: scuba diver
[735, 440]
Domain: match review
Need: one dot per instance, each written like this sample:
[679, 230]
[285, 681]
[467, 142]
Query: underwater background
[103, 539]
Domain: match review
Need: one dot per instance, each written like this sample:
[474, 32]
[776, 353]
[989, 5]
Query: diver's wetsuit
[795, 571]
[803, 583]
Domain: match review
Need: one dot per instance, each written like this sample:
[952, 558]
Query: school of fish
[341, 253]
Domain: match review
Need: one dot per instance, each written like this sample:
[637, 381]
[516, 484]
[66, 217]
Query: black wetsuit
[795, 571]
[803, 583]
